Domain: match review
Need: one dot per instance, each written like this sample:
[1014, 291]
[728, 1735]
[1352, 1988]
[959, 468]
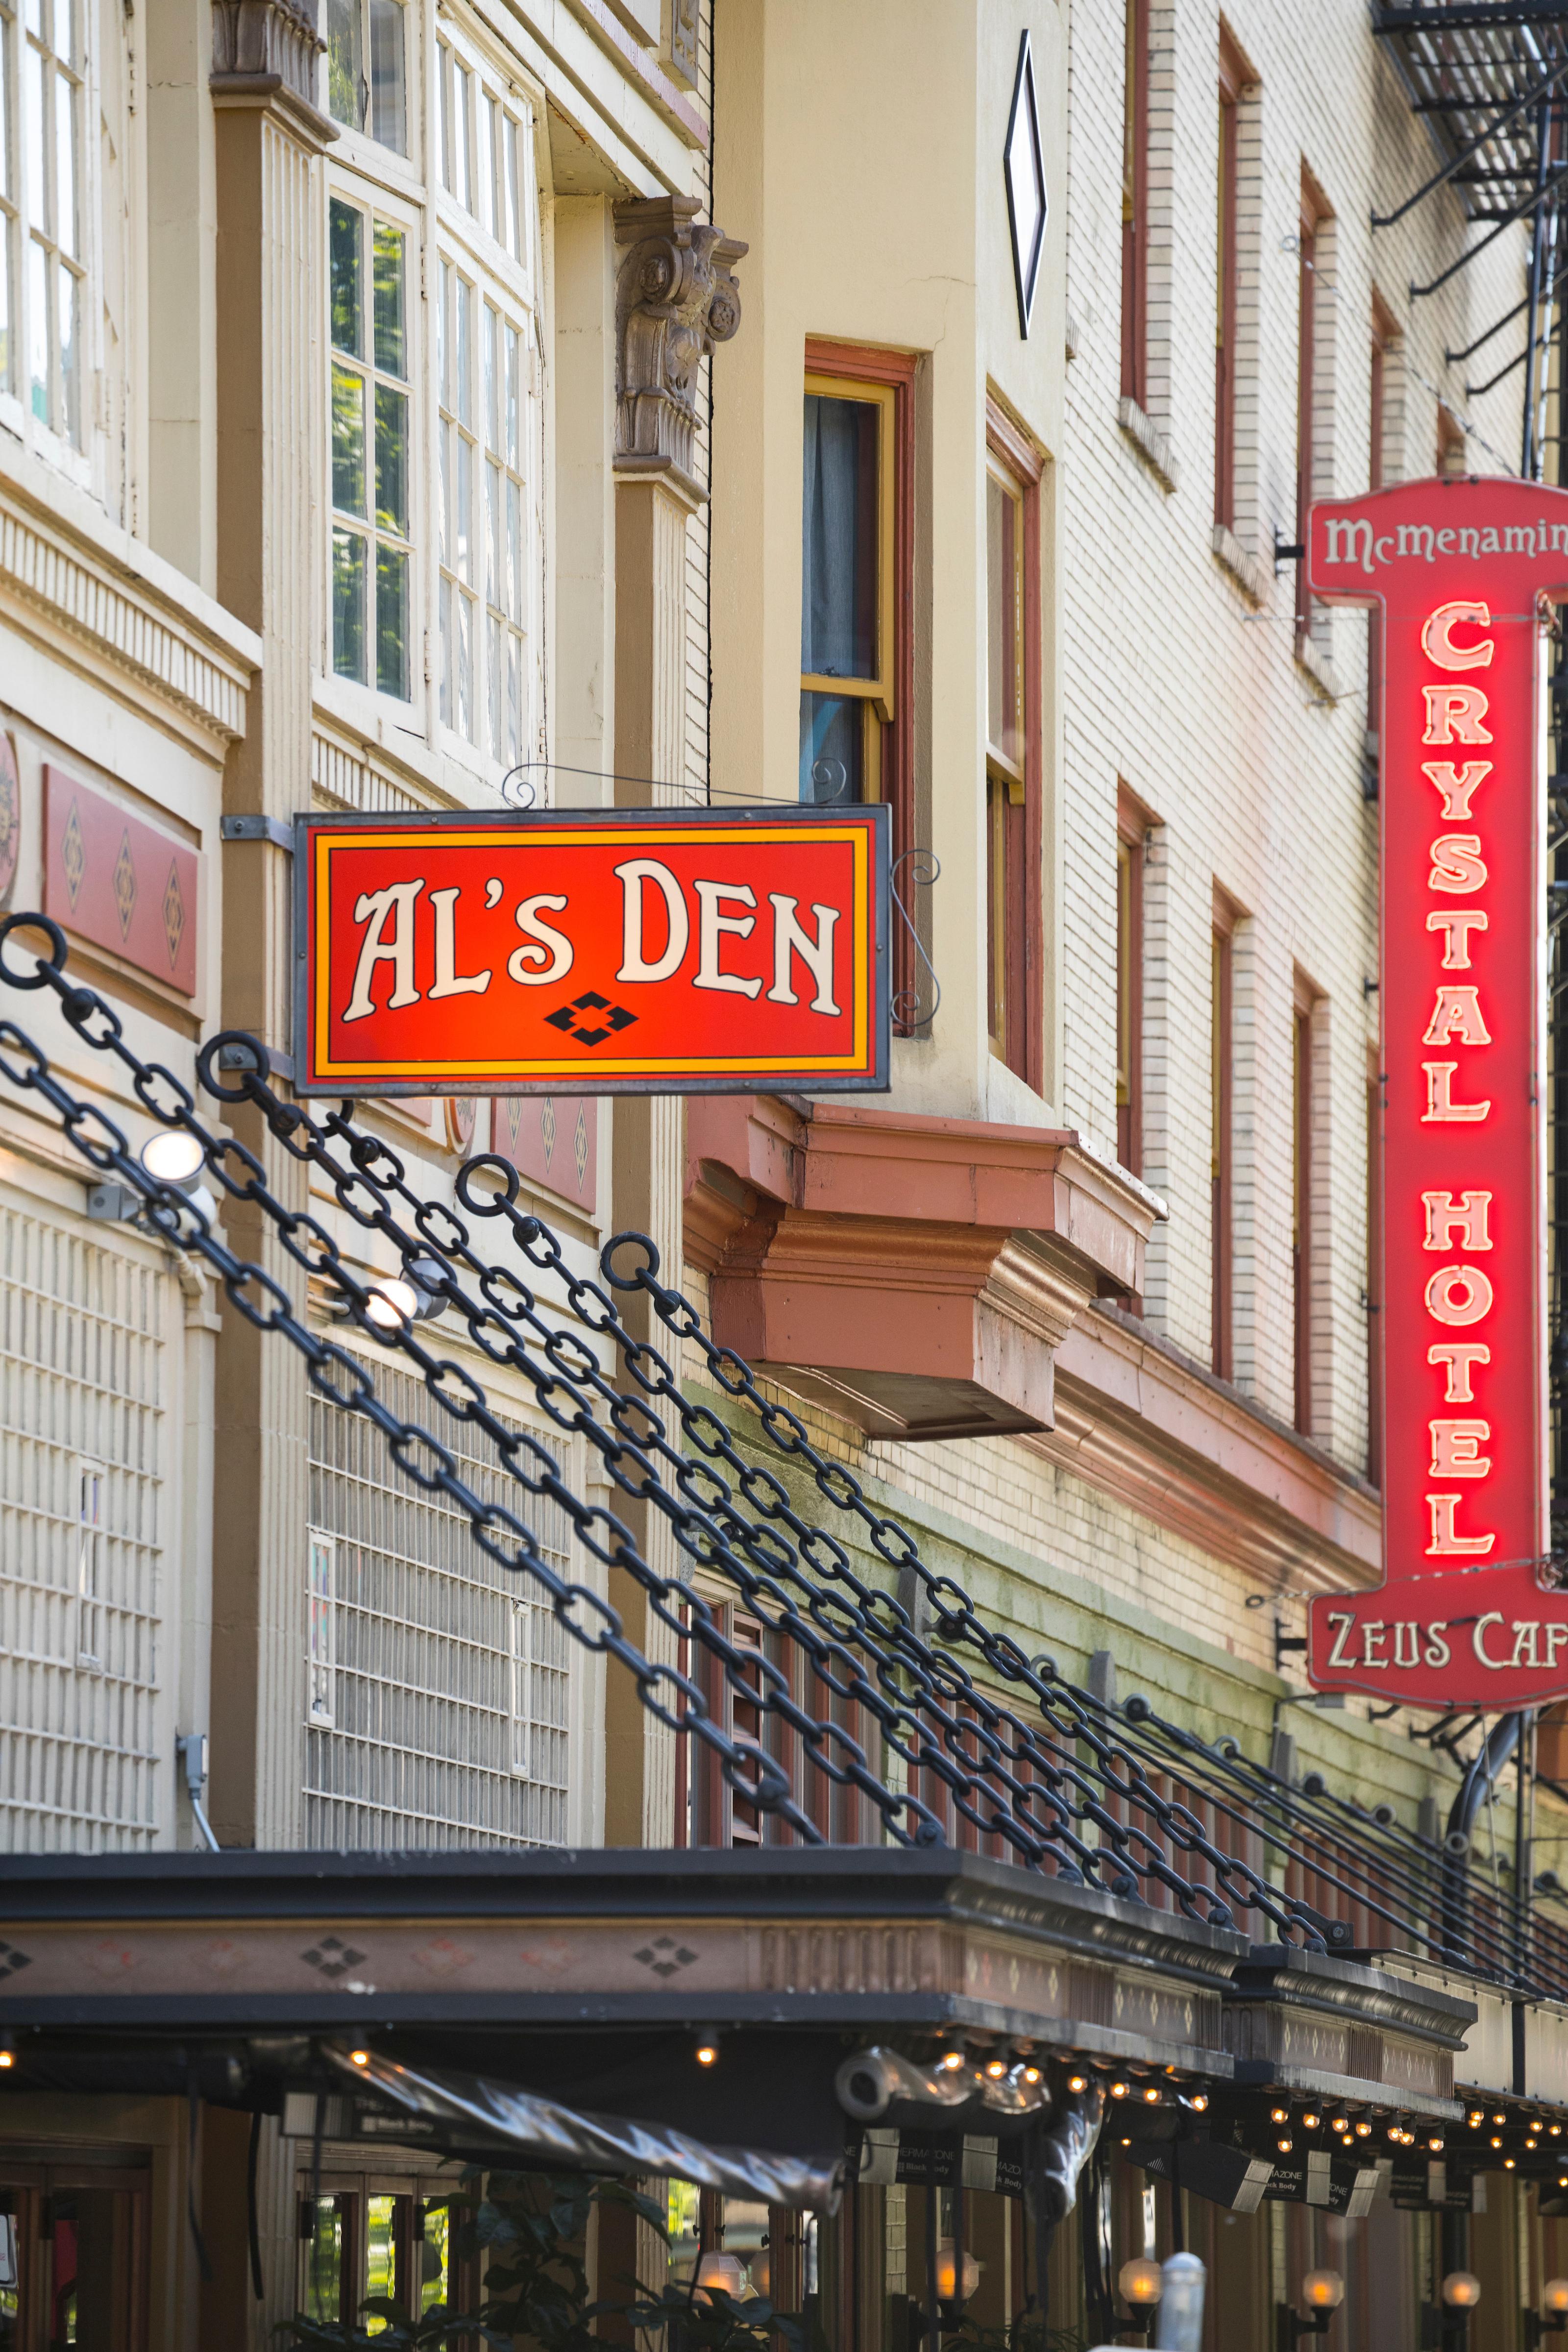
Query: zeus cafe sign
[1462, 577]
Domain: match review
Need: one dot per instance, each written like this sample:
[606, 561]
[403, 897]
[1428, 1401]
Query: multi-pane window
[846, 564]
[1003, 745]
[505, 578]
[372, 611]
[42, 211]
[367, 70]
[459, 457]
[481, 154]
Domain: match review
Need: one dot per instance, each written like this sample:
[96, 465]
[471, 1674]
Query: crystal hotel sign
[1460, 575]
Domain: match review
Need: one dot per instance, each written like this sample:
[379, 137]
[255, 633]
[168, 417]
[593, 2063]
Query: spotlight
[391, 1304]
[707, 2052]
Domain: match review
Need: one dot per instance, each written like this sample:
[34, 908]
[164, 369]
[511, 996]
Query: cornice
[64, 585]
[1136, 1421]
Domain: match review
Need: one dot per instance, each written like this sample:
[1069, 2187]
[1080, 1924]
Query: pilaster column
[676, 298]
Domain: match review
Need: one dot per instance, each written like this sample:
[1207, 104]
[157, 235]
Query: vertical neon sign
[1458, 572]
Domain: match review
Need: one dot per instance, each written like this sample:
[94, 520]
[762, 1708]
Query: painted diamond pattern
[580, 1147]
[514, 1117]
[12, 1960]
[547, 1128]
[332, 1958]
[174, 914]
[590, 1032]
[124, 878]
[73, 855]
[665, 1957]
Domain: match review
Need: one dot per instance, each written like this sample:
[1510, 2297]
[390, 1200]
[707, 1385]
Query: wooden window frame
[1132, 824]
[1016, 942]
[1234, 77]
[1313, 211]
[62, 2170]
[1135, 207]
[1223, 1145]
[1384, 333]
[840, 371]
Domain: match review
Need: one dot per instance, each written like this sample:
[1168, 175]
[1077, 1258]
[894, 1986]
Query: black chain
[1035, 1791]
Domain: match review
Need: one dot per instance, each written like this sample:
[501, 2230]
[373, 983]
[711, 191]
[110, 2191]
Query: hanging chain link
[1041, 1792]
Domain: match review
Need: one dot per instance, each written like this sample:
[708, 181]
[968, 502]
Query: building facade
[446, 407]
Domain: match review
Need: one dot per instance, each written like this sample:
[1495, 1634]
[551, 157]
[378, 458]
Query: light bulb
[1554, 2296]
[1279, 2114]
[1309, 2122]
[1554, 2130]
[1462, 2290]
[1340, 2124]
[1363, 2129]
[996, 2069]
[708, 2048]
[1119, 2090]
[719, 2273]
[1077, 2083]
[1151, 2098]
[173, 1156]
[1323, 2291]
[950, 2061]
[359, 2057]
[1142, 2282]
[1199, 2103]
[1496, 2141]
[947, 2285]
[391, 1304]
[1284, 2145]
[1435, 2142]
[8, 2058]
[1031, 2073]
[1497, 2119]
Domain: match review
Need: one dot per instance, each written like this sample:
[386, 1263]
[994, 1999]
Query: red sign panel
[604, 951]
[119, 883]
[1457, 571]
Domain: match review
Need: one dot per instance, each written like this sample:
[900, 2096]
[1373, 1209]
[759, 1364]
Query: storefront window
[74, 2254]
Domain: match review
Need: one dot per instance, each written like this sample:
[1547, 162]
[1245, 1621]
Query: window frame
[876, 693]
[852, 370]
[1315, 212]
[1222, 1154]
[1014, 798]
[1233, 80]
[321, 1629]
[80, 458]
[1133, 828]
[373, 199]
[411, 113]
[1303, 1088]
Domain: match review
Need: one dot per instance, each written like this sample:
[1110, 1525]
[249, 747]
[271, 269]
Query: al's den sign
[608, 952]
[1460, 574]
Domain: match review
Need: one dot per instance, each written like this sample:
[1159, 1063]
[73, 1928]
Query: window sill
[1152, 445]
[1251, 575]
[1319, 667]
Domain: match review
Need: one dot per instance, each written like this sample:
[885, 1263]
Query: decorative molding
[265, 49]
[1251, 576]
[915, 1274]
[77, 595]
[676, 298]
[1152, 445]
[1137, 1420]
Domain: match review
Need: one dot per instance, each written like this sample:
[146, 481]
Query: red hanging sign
[603, 952]
[1458, 572]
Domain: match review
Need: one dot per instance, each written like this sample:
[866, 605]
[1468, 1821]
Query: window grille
[82, 1381]
[449, 1687]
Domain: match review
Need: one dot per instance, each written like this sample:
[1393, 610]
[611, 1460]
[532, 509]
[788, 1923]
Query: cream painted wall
[859, 150]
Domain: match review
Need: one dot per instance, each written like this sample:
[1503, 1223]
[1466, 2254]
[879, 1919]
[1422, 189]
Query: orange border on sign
[329, 838]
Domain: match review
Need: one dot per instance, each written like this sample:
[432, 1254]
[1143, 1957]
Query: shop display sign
[600, 952]
[1460, 575]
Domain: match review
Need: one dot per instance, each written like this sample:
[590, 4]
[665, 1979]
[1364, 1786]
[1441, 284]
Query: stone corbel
[265, 53]
[676, 298]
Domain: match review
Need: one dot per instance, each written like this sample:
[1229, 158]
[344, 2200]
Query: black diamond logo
[590, 1032]
[12, 1961]
[332, 1957]
[665, 1957]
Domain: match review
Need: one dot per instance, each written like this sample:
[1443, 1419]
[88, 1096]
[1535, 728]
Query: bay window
[371, 448]
[43, 243]
[367, 68]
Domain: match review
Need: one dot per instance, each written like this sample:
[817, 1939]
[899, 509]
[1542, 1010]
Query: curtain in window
[838, 540]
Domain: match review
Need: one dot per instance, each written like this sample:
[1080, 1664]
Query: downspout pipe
[1481, 1778]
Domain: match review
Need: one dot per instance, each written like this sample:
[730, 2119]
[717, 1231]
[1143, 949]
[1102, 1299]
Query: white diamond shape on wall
[1025, 170]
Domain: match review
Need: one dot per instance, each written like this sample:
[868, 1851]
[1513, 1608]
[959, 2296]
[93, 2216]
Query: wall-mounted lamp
[1321, 2293]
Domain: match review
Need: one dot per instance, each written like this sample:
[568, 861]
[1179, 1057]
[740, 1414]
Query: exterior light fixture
[175, 1157]
[707, 2052]
[950, 2061]
[1436, 2143]
[1495, 2140]
[1340, 2123]
[8, 2058]
[1031, 2074]
[1119, 2090]
[1554, 2130]
[1508, 2164]
[1152, 2097]
[1497, 2119]
[1554, 2298]
[1142, 2282]
[1322, 2292]
[1077, 2083]
[1363, 2129]
[1279, 2114]
[413, 1296]
[1200, 2101]
[1462, 2290]
[359, 2057]
[1284, 2145]
[996, 2069]
[949, 2289]
[1309, 2122]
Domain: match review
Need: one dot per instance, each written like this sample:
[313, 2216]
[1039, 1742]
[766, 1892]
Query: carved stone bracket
[676, 297]
[266, 50]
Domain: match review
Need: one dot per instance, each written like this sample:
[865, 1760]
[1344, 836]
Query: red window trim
[1224, 1208]
[1305, 1076]
[1133, 823]
[1233, 79]
[865, 363]
[1025, 914]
